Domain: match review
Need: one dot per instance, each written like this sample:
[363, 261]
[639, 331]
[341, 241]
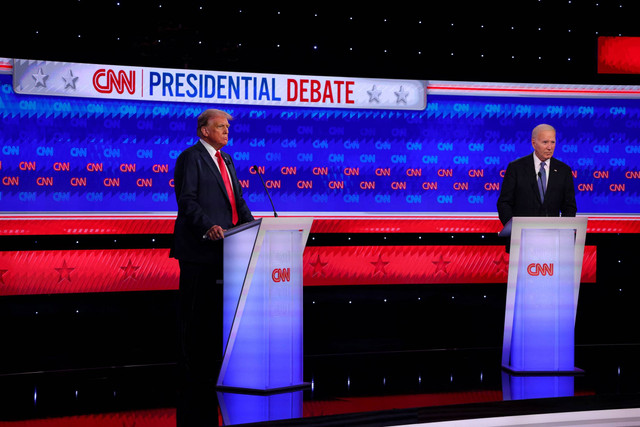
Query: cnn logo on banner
[281, 275]
[106, 80]
[535, 269]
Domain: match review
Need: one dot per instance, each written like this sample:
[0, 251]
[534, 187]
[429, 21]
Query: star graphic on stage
[502, 265]
[379, 266]
[441, 265]
[69, 80]
[130, 271]
[374, 94]
[402, 95]
[318, 266]
[2, 273]
[64, 271]
[40, 78]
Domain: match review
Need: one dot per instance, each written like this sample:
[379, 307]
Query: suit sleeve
[186, 179]
[506, 200]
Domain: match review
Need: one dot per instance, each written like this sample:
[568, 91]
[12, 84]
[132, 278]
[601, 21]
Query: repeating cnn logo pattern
[281, 275]
[535, 269]
[106, 80]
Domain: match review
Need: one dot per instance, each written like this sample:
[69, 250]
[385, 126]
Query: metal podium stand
[545, 266]
[262, 314]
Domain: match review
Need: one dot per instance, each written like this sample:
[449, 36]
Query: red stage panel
[619, 55]
[390, 265]
[77, 271]
[143, 418]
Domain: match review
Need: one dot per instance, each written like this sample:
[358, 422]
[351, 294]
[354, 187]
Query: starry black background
[535, 41]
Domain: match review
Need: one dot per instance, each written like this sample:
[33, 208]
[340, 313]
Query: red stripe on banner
[619, 55]
[80, 271]
[11, 225]
[394, 265]
[64, 225]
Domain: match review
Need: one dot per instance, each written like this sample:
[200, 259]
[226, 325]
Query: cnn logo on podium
[281, 275]
[535, 269]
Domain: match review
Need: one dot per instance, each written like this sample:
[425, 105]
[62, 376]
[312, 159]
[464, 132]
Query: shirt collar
[537, 161]
[212, 151]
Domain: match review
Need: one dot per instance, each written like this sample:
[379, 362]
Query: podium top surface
[547, 222]
[279, 223]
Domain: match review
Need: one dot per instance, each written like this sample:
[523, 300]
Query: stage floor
[440, 387]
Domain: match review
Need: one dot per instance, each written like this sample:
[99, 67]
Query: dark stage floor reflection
[357, 389]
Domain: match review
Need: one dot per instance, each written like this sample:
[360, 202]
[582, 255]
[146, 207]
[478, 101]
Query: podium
[262, 305]
[545, 266]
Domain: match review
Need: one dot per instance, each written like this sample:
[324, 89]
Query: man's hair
[540, 128]
[206, 115]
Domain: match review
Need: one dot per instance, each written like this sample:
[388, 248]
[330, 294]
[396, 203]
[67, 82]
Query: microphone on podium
[275, 214]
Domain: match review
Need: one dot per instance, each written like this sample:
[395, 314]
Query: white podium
[262, 313]
[545, 266]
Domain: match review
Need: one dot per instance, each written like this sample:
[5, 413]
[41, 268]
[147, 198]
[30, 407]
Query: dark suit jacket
[203, 203]
[519, 195]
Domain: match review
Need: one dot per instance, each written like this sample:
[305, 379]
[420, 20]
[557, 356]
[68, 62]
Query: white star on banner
[69, 80]
[374, 94]
[402, 96]
[40, 78]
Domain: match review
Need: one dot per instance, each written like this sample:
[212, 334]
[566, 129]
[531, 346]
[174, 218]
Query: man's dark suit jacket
[519, 195]
[202, 203]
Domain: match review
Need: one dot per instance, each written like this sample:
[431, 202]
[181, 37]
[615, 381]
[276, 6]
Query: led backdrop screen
[89, 149]
[81, 154]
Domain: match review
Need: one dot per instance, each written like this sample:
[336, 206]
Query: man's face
[216, 132]
[544, 144]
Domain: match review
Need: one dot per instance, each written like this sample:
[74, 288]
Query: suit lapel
[213, 168]
[553, 175]
[530, 172]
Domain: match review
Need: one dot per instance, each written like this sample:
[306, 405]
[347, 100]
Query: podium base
[260, 392]
[513, 371]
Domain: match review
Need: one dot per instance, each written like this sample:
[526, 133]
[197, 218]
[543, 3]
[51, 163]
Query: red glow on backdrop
[619, 55]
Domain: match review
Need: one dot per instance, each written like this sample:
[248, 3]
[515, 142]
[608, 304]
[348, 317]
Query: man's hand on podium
[215, 233]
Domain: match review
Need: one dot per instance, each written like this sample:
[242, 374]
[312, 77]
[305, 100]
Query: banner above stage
[52, 78]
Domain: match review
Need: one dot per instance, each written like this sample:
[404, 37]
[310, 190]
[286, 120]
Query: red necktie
[227, 184]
